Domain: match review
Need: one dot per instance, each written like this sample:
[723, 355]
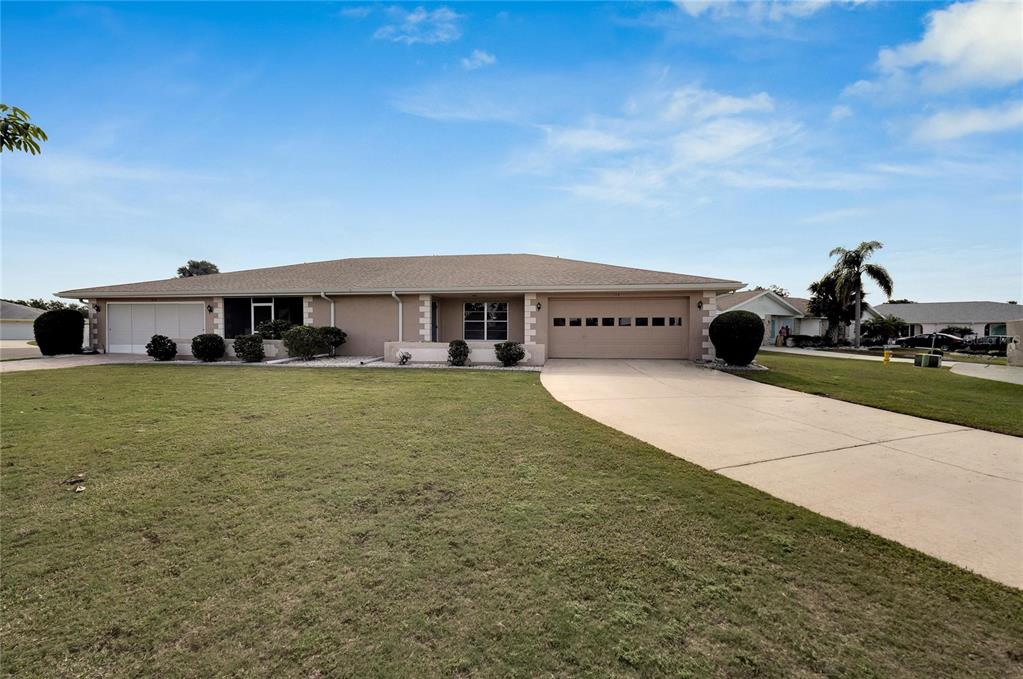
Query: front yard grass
[309, 523]
[933, 393]
[910, 353]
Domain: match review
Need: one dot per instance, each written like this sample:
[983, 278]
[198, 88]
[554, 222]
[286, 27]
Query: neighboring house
[16, 321]
[775, 311]
[557, 308]
[984, 318]
[779, 312]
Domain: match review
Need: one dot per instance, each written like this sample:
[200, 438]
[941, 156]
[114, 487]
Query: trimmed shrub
[458, 352]
[162, 348]
[273, 330]
[404, 357]
[59, 331]
[509, 353]
[333, 337]
[305, 342]
[208, 347]
[737, 336]
[249, 348]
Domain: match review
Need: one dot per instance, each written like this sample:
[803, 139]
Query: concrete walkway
[838, 354]
[949, 491]
[17, 349]
[71, 361]
[999, 373]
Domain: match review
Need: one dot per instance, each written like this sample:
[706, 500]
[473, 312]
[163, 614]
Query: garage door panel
[600, 338]
[131, 326]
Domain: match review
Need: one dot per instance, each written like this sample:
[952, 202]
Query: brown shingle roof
[414, 274]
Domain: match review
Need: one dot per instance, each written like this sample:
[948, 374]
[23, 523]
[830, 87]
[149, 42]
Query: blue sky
[726, 139]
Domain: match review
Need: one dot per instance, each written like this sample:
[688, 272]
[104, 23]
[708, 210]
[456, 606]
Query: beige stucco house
[554, 307]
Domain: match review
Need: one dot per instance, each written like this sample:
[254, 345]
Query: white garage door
[619, 328]
[16, 330]
[131, 326]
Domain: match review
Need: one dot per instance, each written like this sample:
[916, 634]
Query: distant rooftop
[953, 312]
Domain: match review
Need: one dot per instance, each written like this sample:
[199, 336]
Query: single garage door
[619, 328]
[130, 326]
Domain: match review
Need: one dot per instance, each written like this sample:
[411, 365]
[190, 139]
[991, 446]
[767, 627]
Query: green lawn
[312, 523]
[934, 393]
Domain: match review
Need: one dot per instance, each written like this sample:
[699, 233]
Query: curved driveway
[949, 491]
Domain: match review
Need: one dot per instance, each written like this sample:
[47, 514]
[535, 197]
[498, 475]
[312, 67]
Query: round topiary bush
[273, 330]
[458, 352]
[208, 348]
[162, 348]
[737, 336]
[333, 337]
[305, 342]
[249, 348]
[509, 353]
[59, 331]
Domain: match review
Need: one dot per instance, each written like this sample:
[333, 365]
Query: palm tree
[849, 271]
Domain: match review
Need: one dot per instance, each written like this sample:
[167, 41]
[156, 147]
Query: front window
[485, 321]
[243, 314]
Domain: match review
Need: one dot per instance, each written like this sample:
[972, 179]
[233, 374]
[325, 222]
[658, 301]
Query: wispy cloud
[835, 216]
[421, 25]
[765, 10]
[946, 125]
[840, 112]
[478, 59]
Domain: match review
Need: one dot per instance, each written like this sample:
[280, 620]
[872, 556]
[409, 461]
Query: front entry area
[612, 327]
[130, 326]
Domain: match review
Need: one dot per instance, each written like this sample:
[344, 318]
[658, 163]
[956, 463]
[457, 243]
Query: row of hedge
[508, 353]
[302, 341]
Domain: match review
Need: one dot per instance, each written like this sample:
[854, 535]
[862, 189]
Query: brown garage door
[619, 328]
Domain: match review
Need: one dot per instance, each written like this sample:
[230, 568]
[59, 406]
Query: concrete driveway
[949, 491]
[17, 349]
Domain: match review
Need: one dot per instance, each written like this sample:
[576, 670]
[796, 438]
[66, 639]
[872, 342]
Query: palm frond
[837, 251]
[880, 275]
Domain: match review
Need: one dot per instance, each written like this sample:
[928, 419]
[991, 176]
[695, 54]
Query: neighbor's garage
[603, 327]
[130, 326]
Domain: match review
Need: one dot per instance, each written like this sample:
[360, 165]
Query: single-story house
[16, 321]
[555, 307]
[984, 318]
[779, 312]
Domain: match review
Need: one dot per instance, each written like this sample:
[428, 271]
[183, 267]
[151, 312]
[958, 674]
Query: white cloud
[722, 140]
[357, 12]
[840, 112]
[584, 139]
[760, 11]
[478, 59]
[421, 25]
[965, 46]
[946, 125]
[835, 216]
[699, 104]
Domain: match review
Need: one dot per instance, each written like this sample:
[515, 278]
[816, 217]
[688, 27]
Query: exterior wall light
[209, 308]
[96, 307]
[699, 305]
[539, 306]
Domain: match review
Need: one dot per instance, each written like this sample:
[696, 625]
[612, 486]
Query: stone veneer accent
[93, 324]
[307, 310]
[426, 317]
[218, 316]
[710, 310]
[529, 318]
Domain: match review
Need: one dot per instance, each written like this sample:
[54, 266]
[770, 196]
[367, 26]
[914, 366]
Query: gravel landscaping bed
[357, 362]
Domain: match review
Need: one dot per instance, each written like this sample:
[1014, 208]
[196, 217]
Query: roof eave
[649, 287]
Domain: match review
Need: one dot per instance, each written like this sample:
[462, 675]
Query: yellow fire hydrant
[887, 356]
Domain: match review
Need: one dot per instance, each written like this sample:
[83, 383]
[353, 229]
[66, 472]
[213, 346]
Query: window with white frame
[485, 321]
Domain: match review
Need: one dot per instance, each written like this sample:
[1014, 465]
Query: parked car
[938, 340]
[997, 344]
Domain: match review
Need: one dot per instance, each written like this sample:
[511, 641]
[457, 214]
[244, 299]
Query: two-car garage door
[619, 328]
[130, 326]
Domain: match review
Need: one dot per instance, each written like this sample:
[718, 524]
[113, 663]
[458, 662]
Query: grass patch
[430, 523]
[936, 394]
